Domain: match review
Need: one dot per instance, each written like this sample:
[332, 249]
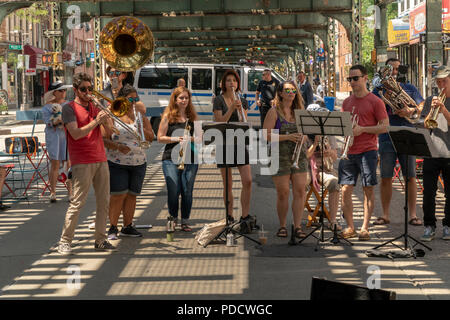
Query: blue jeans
[179, 182]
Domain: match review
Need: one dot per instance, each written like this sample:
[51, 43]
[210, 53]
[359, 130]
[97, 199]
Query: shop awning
[35, 56]
[398, 32]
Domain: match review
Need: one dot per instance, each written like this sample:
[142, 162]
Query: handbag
[209, 232]
[28, 145]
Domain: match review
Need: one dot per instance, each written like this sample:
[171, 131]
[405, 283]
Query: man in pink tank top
[82, 120]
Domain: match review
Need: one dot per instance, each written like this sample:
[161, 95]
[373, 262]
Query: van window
[201, 79]
[161, 78]
[254, 77]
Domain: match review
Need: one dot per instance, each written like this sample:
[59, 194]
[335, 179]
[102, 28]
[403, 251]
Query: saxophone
[431, 119]
[184, 145]
[394, 95]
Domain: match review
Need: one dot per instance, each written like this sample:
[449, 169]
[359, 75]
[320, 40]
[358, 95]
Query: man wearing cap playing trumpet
[433, 167]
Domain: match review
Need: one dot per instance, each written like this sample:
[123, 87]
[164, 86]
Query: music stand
[411, 142]
[324, 123]
[223, 128]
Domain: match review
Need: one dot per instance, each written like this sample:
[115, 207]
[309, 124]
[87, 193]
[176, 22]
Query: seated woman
[228, 108]
[330, 180]
[281, 117]
[127, 164]
[180, 182]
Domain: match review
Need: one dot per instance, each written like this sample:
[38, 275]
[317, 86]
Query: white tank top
[136, 156]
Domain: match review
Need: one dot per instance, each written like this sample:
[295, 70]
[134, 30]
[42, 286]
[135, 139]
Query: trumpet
[183, 148]
[118, 108]
[241, 112]
[297, 151]
[431, 119]
[348, 142]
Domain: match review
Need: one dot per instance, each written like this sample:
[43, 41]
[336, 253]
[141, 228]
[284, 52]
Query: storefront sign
[30, 72]
[398, 32]
[417, 22]
[446, 16]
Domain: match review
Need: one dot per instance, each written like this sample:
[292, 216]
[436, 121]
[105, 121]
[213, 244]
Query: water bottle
[230, 239]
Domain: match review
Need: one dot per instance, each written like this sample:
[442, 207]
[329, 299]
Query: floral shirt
[136, 156]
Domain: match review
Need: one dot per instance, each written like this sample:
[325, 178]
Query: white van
[155, 82]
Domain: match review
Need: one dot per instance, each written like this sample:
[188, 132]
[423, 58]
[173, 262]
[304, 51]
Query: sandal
[185, 228]
[380, 221]
[415, 222]
[348, 233]
[282, 232]
[299, 233]
[364, 236]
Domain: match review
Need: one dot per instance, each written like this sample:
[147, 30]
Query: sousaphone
[126, 43]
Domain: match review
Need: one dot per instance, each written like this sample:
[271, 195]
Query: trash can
[329, 102]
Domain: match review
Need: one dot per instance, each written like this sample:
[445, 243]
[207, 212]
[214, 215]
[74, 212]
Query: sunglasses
[355, 78]
[133, 99]
[117, 73]
[290, 91]
[84, 89]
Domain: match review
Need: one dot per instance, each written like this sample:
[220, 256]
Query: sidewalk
[152, 268]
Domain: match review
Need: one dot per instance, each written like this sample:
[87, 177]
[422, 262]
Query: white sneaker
[64, 248]
[92, 226]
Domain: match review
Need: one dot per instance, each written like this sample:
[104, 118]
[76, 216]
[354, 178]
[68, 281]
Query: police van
[155, 83]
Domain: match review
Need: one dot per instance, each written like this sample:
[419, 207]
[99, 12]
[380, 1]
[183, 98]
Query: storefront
[37, 76]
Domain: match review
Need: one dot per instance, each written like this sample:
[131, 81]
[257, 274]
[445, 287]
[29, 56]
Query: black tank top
[167, 155]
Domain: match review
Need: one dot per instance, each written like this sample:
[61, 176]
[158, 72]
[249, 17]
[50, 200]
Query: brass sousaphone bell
[126, 44]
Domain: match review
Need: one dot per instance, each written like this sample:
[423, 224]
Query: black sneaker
[130, 231]
[112, 233]
[105, 246]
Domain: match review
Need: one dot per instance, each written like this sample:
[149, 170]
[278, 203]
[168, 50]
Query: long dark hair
[126, 90]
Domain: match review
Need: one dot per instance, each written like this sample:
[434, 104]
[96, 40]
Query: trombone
[118, 108]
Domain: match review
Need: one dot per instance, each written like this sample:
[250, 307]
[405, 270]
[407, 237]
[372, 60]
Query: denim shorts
[364, 163]
[388, 160]
[126, 179]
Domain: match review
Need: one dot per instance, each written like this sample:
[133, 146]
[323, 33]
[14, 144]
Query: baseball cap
[442, 72]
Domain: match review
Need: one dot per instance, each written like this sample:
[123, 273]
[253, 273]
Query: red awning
[35, 55]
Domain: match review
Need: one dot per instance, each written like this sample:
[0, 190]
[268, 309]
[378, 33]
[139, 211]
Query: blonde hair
[173, 113]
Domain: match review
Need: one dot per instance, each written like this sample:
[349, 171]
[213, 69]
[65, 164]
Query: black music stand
[223, 128]
[411, 142]
[324, 123]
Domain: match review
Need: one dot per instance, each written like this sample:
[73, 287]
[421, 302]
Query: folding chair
[8, 168]
[398, 172]
[313, 219]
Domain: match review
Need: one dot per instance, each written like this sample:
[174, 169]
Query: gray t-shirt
[441, 135]
[68, 115]
[220, 104]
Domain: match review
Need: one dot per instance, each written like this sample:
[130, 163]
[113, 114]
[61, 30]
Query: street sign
[30, 72]
[15, 47]
[53, 33]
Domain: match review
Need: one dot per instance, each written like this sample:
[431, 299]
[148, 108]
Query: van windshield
[161, 78]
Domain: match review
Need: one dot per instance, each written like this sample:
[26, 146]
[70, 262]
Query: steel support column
[381, 36]
[97, 57]
[331, 92]
[356, 32]
[434, 47]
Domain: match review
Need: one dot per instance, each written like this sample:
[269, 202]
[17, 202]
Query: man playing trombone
[362, 155]
[82, 120]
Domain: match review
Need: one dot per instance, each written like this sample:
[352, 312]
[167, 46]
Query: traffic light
[48, 58]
